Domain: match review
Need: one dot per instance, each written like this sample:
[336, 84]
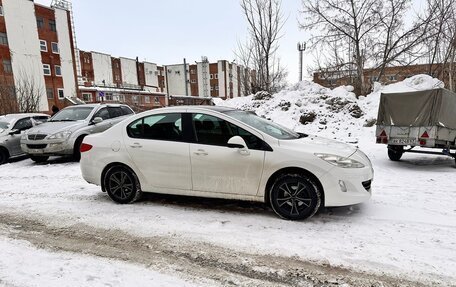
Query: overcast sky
[166, 31]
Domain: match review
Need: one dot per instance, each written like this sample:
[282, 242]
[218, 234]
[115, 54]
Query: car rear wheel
[3, 156]
[395, 152]
[295, 197]
[122, 185]
[39, 159]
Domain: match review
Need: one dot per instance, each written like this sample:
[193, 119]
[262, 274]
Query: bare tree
[265, 22]
[361, 34]
[28, 93]
[8, 102]
[440, 44]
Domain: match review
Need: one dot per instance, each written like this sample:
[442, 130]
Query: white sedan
[221, 152]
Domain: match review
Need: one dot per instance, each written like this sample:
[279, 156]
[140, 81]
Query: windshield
[72, 114]
[263, 125]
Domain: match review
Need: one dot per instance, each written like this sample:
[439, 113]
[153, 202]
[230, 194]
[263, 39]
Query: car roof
[219, 109]
[97, 105]
[16, 116]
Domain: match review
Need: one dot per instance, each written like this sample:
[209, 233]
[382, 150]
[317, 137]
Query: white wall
[204, 88]
[66, 55]
[176, 79]
[222, 78]
[24, 45]
[102, 69]
[129, 72]
[151, 72]
[234, 80]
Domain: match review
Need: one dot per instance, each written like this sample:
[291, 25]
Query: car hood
[316, 144]
[4, 134]
[55, 127]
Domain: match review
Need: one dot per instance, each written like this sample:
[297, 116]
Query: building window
[216, 88]
[147, 99]
[157, 101]
[109, 97]
[121, 98]
[58, 70]
[50, 93]
[1, 10]
[216, 76]
[135, 99]
[117, 77]
[61, 93]
[52, 26]
[192, 72]
[211, 76]
[47, 69]
[7, 67]
[43, 46]
[374, 79]
[392, 78]
[193, 81]
[87, 97]
[55, 47]
[3, 39]
[87, 60]
[40, 22]
[212, 88]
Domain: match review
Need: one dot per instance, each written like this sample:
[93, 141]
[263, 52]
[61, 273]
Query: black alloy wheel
[295, 197]
[122, 185]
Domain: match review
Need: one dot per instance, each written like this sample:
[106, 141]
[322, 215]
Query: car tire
[39, 159]
[122, 185]
[295, 197]
[395, 152]
[4, 155]
[77, 148]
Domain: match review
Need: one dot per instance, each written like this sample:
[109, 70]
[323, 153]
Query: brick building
[37, 48]
[332, 79]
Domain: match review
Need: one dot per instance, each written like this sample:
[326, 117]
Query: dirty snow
[407, 229]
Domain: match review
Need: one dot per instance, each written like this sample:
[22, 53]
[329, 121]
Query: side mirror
[236, 142]
[97, 120]
[14, 132]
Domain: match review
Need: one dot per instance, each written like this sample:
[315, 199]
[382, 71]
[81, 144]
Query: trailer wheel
[395, 152]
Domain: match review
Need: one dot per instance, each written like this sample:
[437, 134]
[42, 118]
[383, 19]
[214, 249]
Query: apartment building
[105, 78]
[37, 50]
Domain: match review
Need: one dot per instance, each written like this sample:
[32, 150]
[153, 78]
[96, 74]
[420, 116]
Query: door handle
[136, 145]
[201, 152]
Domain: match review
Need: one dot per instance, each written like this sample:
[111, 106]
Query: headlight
[24, 136]
[60, 135]
[340, 161]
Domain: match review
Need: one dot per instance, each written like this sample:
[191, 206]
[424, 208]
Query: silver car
[64, 132]
[12, 127]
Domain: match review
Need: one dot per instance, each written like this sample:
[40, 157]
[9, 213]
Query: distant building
[333, 78]
[37, 48]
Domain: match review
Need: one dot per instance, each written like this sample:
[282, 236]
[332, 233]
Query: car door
[105, 124]
[158, 149]
[14, 142]
[218, 168]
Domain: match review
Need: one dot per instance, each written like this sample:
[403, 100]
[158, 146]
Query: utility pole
[185, 77]
[301, 49]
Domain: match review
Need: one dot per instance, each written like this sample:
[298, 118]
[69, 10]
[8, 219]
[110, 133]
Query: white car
[221, 152]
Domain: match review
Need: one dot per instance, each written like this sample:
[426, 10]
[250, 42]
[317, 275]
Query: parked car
[225, 153]
[12, 127]
[63, 133]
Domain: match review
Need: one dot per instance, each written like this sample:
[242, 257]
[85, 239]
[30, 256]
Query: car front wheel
[295, 197]
[122, 185]
[3, 156]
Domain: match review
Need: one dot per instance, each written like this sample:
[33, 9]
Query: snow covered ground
[407, 230]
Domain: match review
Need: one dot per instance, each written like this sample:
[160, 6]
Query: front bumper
[47, 147]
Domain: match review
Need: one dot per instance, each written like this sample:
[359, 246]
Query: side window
[252, 141]
[115, 112]
[40, 119]
[126, 110]
[23, 124]
[167, 127]
[211, 130]
[103, 113]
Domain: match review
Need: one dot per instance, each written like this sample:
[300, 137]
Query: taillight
[85, 147]
[423, 138]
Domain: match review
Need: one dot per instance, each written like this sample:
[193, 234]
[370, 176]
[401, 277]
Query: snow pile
[335, 113]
